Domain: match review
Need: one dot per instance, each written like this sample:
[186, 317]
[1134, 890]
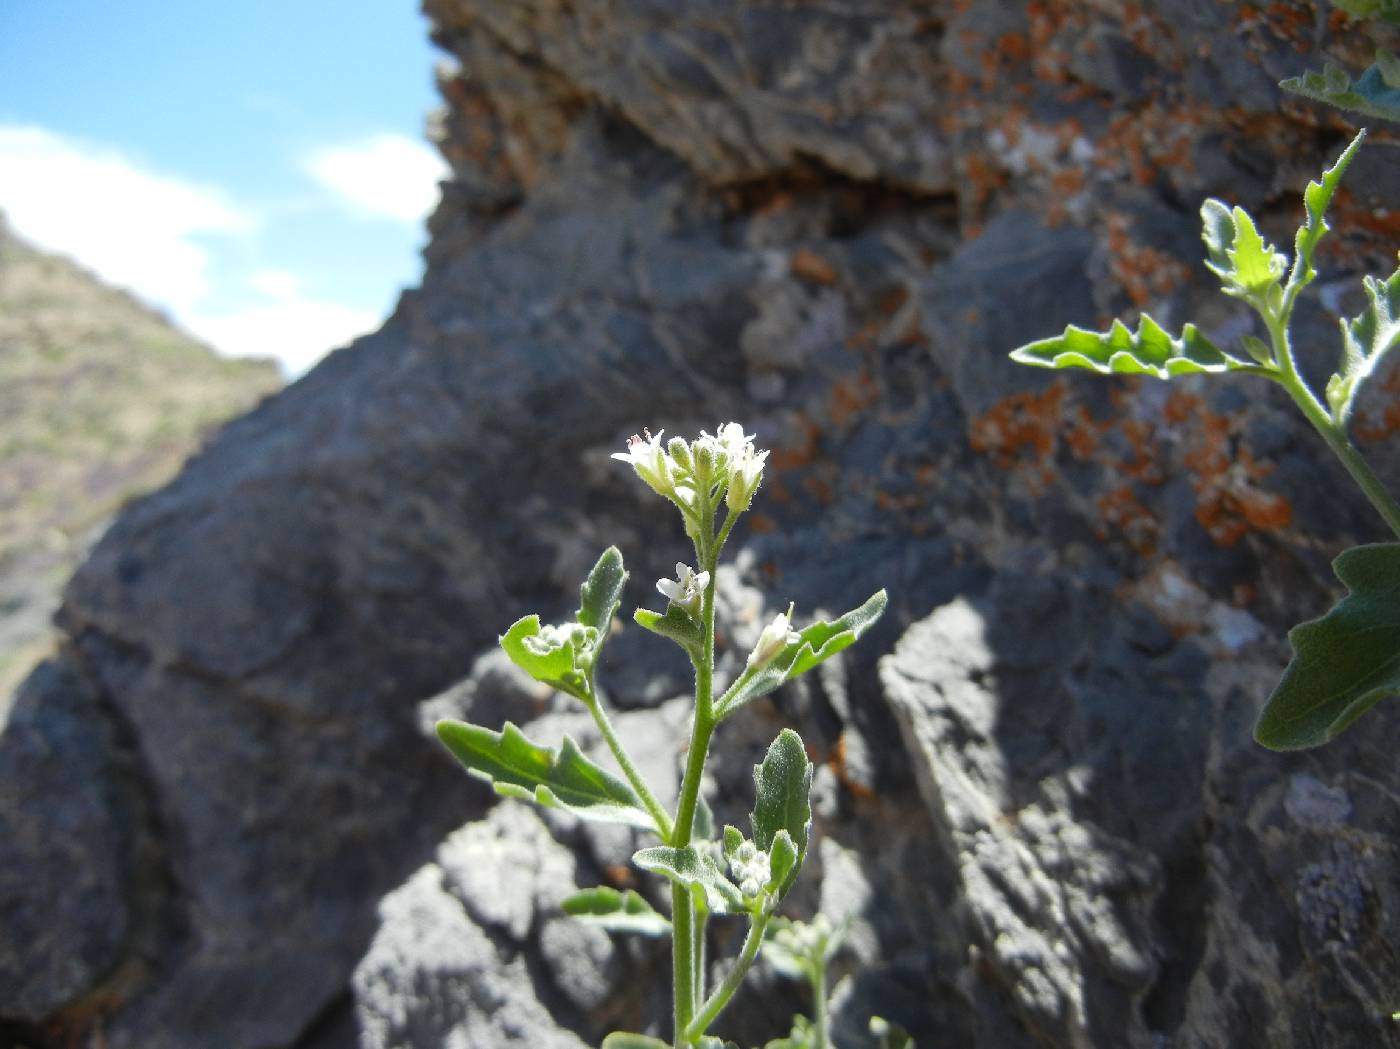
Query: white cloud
[383, 176]
[297, 331]
[159, 236]
[135, 228]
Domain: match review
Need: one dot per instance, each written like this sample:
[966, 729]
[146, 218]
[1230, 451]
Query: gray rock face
[830, 221]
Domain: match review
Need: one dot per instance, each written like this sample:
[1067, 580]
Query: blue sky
[257, 169]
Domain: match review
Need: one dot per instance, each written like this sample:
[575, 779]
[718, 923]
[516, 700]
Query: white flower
[776, 636]
[550, 638]
[686, 589]
[745, 474]
[731, 438]
[648, 457]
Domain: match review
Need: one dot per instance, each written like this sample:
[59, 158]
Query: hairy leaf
[1343, 663]
[694, 868]
[675, 624]
[1316, 199]
[562, 779]
[782, 801]
[1246, 264]
[1147, 351]
[1375, 93]
[615, 911]
[815, 644]
[553, 655]
[1366, 339]
[601, 593]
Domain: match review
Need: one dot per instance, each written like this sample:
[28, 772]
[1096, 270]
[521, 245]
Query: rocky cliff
[1037, 789]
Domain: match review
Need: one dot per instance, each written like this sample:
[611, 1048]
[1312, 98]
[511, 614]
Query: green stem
[715, 1004]
[816, 976]
[1330, 430]
[687, 980]
[682, 960]
[624, 760]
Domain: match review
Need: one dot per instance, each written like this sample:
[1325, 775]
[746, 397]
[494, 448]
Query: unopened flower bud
[776, 636]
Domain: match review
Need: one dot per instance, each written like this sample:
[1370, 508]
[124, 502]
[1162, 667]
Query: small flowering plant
[733, 874]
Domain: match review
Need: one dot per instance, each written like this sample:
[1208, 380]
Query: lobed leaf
[601, 593]
[1343, 663]
[1247, 265]
[1375, 93]
[1147, 351]
[782, 802]
[697, 870]
[815, 644]
[1366, 339]
[1317, 197]
[562, 779]
[626, 911]
[554, 662]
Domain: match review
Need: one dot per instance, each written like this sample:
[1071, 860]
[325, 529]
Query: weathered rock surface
[831, 222]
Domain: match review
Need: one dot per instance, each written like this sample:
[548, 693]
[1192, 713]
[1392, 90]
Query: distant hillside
[101, 399]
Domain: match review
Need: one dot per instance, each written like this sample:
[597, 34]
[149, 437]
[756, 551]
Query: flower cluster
[696, 474]
[751, 869]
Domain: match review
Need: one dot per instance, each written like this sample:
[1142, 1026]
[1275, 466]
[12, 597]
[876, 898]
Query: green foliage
[815, 644]
[557, 656]
[626, 1040]
[1375, 93]
[562, 779]
[1345, 662]
[1366, 338]
[1385, 10]
[697, 868]
[601, 594]
[675, 624]
[782, 805]
[1147, 351]
[615, 911]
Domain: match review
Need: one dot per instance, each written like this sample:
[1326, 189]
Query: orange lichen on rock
[807, 265]
[852, 395]
[1229, 500]
[1021, 427]
[1122, 514]
[1146, 274]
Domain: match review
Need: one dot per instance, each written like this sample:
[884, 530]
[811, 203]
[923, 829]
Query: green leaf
[601, 593]
[1343, 663]
[783, 860]
[562, 779]
[815, 644]
[711, 1042]
[676, 625]
[1366, 339]
[1147, 351]
[1375, 93]
[1248, 266]
[615, 911]
[557, 656]
[694, 868]
[782, 800]
[627, 1040]
[1317, 197]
